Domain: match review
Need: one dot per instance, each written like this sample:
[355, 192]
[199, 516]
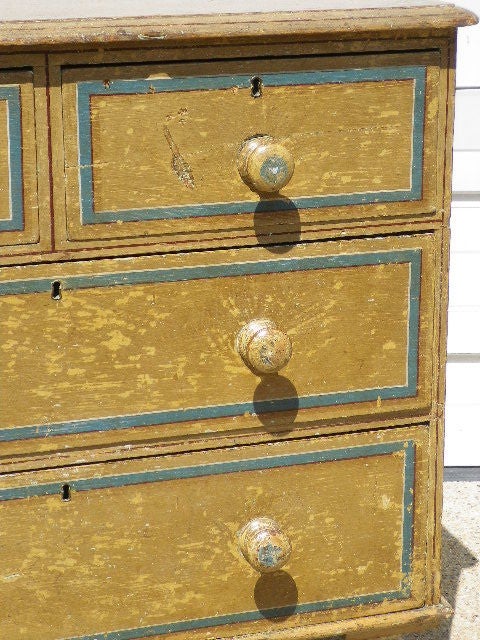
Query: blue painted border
[131, 87]
[11, 95]
[270, 462]
[282, 265]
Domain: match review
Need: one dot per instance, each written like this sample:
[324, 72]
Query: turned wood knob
[265, 165]
[263, 347]
[264, 545]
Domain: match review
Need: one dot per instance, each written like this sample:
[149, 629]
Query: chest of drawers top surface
[224, 242]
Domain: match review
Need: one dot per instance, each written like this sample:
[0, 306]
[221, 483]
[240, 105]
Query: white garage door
[463, 367]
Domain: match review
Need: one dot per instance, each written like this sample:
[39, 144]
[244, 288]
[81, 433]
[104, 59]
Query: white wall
[462, 447]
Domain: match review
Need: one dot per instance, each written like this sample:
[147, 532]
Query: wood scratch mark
[179, 164]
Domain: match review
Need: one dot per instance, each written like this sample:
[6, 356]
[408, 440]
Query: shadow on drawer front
[161, 149]
[155, 341]
[356, 546]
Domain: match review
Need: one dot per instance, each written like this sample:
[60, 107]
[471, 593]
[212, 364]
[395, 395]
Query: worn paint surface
[88, 570]
[264, 545]
[129, 171]
[5, 212]
[165, 570]
[177, 27]
[131, 343]
[179, 166]
[354, 141]
[263, 347]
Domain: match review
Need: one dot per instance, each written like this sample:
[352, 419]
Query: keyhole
[257, 87]
[56, 290]
[66, 494]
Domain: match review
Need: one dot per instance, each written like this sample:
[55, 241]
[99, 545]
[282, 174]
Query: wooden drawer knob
[265, 166]
[263, 347]
[264, 545]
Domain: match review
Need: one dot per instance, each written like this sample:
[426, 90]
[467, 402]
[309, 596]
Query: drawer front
[152, 150]
[353, 508]
[151, 342]
[19, 202]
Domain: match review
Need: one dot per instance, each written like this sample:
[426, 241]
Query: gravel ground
[461, 562]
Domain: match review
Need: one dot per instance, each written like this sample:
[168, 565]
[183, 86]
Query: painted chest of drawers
[222, 320]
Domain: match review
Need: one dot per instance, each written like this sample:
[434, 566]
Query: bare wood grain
[22, 148]
[234, 27]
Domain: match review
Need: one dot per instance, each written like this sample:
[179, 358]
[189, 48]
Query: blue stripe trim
[43, 285]
[414, 320]
[132, 87]
[204, 413]
[245, 616]
[219, 468]
[203, 470]
[15, 221]
[407, 527]
[205, 272]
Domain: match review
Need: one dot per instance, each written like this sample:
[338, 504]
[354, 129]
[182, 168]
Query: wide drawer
[150, 342]
[149, 547]
[151, 150]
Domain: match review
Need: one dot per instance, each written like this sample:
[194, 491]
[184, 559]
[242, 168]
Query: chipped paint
[396, 98]
[180, 166]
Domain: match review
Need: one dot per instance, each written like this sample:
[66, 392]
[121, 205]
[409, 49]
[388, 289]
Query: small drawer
[153, 344]
[112, 551]
[24, 214]
[152, 151]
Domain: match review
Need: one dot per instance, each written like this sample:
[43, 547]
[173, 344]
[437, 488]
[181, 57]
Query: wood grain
[441, 327]
[234, 28]
[68, 9]
[4, 163]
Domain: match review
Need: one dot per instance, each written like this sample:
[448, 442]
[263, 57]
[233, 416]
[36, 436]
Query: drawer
[149, 344]
[351, 507]
[151, 151]
[24, 219]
